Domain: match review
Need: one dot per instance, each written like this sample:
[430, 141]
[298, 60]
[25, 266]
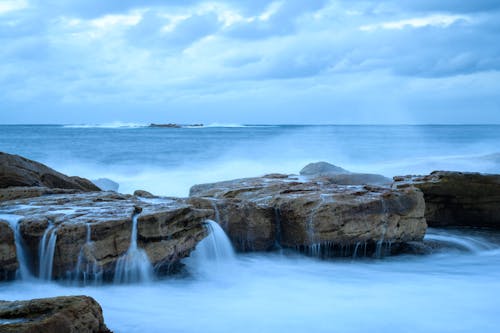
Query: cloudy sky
[250, 61]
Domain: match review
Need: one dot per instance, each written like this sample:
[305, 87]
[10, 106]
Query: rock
[65, 314]
[106, 184]
[322, 168]
[262, 213]
[20, 192]
[8, 257]
[458, 198]
[168, 230]
[165, 125]
[326, 172]
[18, 171]
[144, 194]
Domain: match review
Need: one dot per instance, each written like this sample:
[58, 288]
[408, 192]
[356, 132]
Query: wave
[228, 125]
[116, 124]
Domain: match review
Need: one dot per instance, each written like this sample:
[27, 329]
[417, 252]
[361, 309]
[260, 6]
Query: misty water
[454, 289]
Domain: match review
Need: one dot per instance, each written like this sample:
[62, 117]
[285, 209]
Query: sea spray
[134, 265]
[46, 251]
[23, 272]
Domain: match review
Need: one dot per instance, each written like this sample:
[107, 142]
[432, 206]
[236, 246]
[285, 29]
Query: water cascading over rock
[86, 237]
[314, 216]
[22, 271]
[134, 265]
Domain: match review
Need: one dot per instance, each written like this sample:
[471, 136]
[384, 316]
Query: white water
[214, 253]
[134, 265]
[87, 269]
[46, 251]
[23, 271]
[446, 292]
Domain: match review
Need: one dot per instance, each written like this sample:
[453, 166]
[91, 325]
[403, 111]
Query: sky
[250, 61]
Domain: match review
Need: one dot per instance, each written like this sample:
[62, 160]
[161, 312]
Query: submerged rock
[80, 314]
[87, 233]
[458, 198]
[281, 211]
[326, 172]
[8, 257]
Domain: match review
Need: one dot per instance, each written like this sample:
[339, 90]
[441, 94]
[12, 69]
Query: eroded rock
[265, 212]
[95, 229]
[8, 257]
[458, 198]
[80, 314]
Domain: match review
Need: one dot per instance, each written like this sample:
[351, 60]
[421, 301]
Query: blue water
[168, 161]
[450, 291]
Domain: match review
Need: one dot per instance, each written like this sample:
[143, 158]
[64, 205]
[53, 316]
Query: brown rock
[458, 198]
[67, 314]
[144, 194]
[8, 257]
[168, 229]
[18, 171]
[259, 213]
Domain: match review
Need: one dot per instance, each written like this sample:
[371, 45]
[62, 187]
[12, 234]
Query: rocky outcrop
[94, 230]
[80, 314]
[280, 210]
[20, 175]
[458, 198]
[326, 172]
[8, 257]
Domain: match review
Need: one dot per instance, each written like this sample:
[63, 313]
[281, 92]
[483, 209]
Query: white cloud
[439, 20]
[7, 6]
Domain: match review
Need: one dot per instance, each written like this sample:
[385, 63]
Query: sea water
[168, 161]
[453, 290]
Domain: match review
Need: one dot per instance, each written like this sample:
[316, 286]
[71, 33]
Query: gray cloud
[184, 55]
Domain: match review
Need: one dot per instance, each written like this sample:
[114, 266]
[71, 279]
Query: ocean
[455, 290]
[168, 161]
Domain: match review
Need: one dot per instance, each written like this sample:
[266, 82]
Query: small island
[172, 125]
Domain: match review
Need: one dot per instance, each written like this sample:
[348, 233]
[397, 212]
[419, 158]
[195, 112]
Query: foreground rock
[70, 314]
[8, 257]
[281, 211]
[333, 174]
[20, 175]
[91, 231]
[458, 198]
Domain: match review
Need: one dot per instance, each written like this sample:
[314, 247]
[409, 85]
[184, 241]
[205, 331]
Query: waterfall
[87, 269]
[379, 253]
[134, 265]
[214, 252]
[23, 270]
[46, 251]
[216, 246]
[474, 244]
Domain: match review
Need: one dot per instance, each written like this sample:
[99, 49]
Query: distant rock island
[171, 125]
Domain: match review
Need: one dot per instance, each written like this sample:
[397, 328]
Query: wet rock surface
[8, 257]
[279, 210]
[458, 198]
[95, 229]
[69, 314]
